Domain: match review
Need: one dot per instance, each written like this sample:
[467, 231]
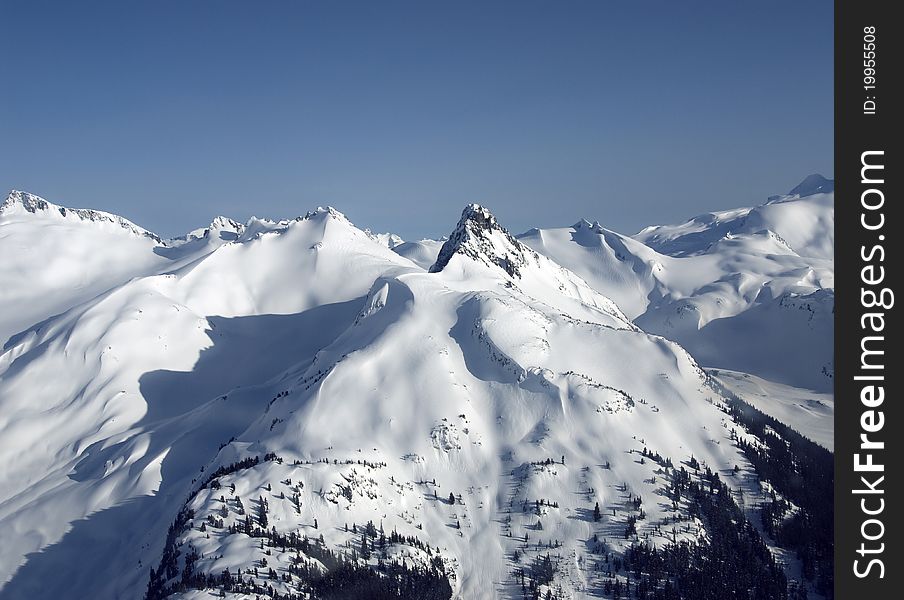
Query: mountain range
[305, 409]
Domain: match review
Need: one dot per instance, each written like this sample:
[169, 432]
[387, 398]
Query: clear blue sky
[399, 113]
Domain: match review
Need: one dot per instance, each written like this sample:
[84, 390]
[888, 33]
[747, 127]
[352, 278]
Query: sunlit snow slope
[750, 289]
[300, 378]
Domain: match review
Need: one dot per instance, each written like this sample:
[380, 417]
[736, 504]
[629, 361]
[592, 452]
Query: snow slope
[60, 257]
[93, 401]
[810, 413]
[357, 385]
[761, 276]
[55, 258]
[469, 380]
[422, 253]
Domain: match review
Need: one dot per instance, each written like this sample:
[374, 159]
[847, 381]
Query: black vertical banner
[869, 440]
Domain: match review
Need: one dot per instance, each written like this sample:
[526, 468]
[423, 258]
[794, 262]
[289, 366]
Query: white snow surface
[748, 289]
[132, 366]
[422, 253]
[810, 413]
[390, 240]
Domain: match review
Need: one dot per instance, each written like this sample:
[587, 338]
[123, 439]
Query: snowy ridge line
[499, 427]
[34, 204]
[19, 203]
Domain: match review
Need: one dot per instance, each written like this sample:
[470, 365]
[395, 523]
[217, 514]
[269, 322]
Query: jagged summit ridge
[220, 227]
[30, 203]
[584, 224]
[480, 237]
[222, 222]
[23, 203]
[326, 211]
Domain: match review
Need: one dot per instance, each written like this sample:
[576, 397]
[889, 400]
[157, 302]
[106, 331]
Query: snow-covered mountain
[750, 289]
[423, 253]
[293, 409]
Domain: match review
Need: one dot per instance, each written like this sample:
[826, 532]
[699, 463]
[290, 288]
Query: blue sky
[400, 113]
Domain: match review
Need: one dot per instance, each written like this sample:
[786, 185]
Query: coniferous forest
[338, 576]
[732, 559]
[801, 472]
[733, 562]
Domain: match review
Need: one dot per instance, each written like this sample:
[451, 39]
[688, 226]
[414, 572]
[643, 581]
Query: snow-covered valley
[304, 409]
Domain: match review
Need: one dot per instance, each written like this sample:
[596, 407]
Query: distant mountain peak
[813, 184]
[480, 237]
[388, 239]
[29, 202]
[23, 201]
[222, 222]
[587, 225]
[327, 211]
[224, 227]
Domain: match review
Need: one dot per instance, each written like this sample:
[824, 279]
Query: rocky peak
[30, 203]
[480, 237]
